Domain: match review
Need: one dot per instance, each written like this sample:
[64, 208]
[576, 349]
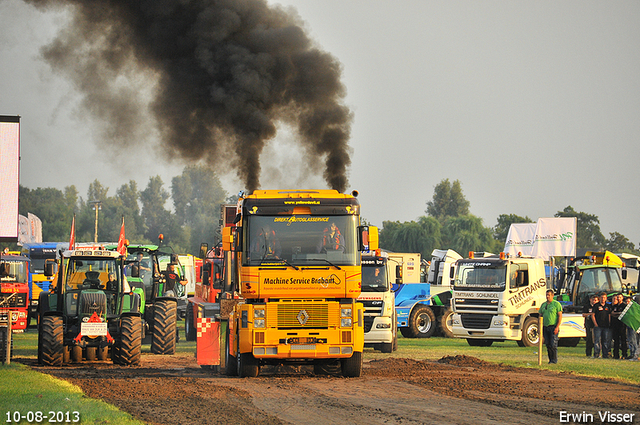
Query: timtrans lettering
[528, 291]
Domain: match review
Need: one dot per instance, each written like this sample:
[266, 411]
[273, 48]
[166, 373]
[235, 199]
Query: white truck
[497, 298]
[379, 302]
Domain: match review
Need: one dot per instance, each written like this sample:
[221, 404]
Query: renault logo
[302, 317]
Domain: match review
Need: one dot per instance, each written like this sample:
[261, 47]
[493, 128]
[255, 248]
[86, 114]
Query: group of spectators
[603, 327]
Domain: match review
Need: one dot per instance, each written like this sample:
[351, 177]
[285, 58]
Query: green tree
[588, 228]
[422, 236]
[157, 219]
[501, 230]
[448, 201]
[467, 233]
[54, 207]
[197, 195]
[619, 243]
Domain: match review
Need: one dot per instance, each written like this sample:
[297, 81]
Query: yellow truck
[292, 275]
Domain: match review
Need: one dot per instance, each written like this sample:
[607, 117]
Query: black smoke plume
[225, 74]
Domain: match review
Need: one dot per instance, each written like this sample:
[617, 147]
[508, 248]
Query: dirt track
[453, 390]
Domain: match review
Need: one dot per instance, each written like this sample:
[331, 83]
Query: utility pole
[97, 205]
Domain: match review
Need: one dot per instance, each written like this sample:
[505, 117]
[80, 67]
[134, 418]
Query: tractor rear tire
[130, 347]
[189, 324]
[352, 367]
[422, 322]
[165, 316]
[51, 341]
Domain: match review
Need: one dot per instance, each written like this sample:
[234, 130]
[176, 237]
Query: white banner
[520, 239]
[549, 237]
[36, 228]
[24, 230]
[555, 237]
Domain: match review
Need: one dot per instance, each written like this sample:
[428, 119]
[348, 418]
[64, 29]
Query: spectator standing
[551, 311]
[618, 329]
[602, 328]
[587, 313]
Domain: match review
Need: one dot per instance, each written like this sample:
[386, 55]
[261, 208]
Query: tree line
[448, 224]
[197, 194]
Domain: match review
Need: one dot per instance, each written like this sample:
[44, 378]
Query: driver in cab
[331, 239]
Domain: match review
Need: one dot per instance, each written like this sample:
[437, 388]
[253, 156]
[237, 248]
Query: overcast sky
[532, 105]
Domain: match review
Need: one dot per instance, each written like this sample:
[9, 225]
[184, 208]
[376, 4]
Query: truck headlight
[258, 323]
[258, 313]
[259, 318]
[346, 322]
[345, 312]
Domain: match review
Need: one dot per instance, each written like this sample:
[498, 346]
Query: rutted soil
[452, 390]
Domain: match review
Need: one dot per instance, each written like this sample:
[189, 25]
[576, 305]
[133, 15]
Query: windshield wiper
[281, 260]
[328, 262]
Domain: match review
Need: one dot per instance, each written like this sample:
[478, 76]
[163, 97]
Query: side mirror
[227, 239]
[135, 270]
[206, 278]
[399, 274]
[49, 268]
[624, 273]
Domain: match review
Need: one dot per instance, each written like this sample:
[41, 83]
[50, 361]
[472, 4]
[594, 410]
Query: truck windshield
[301, 240]
[481, 276]
[17, 272]
[374, 278]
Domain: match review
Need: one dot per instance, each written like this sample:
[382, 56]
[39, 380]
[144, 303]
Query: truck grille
[368, 323]
[307, 315]
[476, 321]
[489, 305]
[13, 300]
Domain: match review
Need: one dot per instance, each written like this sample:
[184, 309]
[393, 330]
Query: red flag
[122, 250]
[72, 237]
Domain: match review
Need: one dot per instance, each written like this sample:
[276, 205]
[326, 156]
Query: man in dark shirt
[602, 330]
[587, 313]
[618, 329]
[171, 278]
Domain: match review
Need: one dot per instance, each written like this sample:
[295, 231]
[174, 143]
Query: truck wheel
[395, 343]
[165, 316]
[248, 366]
[386, 347]
[406, 332]
[530, 332]
[422, 322]
[128, 352]
[446, 323]
[51, 341]
[189, 324]
[473, 342]
[327, 367]
[352, 367]
[231, 363]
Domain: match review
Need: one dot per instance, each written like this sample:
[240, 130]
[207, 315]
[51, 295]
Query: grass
[570, 359]
[23, 389]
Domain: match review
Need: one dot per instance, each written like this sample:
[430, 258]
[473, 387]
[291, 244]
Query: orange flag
[72, 237]
[122, 250]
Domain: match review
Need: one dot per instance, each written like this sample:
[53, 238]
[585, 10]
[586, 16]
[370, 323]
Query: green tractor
[89, 312]
[159, 307]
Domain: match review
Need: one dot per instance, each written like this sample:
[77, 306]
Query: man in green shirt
[551, 311]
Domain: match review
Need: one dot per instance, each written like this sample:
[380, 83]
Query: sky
[532, 105]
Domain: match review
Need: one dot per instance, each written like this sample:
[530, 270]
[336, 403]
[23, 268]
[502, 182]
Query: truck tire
[446, 323]
[422, 323]
[130, 346]
[248, 366]
[352, 367]
[530, 332]
[386, 347]
[327, 367]
[189, 324]
[50, 337]
[231, 363]
[165, 316]
[473, 342]
[395, 343]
